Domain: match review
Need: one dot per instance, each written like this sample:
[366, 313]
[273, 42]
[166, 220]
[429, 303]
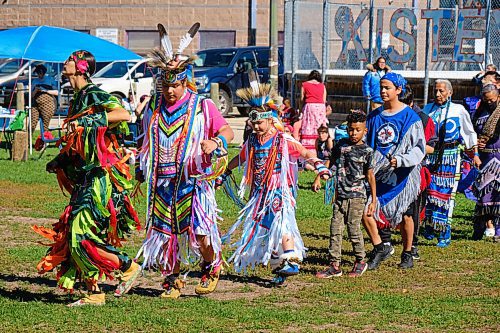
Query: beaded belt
[489, 151]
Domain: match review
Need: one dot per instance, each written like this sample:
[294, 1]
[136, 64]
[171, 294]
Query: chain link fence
[348, 35]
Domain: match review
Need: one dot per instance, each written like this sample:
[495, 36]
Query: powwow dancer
[395, 133]
[419, 205]
[487, 184]
[92, 169]
[453, 128]
[183, 132]
[270, 232]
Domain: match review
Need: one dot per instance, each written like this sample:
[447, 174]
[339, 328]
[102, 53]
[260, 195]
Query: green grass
[453, 290]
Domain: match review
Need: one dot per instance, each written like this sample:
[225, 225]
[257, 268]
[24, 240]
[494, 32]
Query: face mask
[492, 106]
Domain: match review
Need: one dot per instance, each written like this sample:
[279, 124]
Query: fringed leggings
[443, 188]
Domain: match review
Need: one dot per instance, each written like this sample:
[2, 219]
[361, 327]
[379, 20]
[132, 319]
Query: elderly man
[184, 148]
[453, 127]
[487, 125]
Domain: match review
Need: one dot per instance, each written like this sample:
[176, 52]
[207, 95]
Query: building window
[281, 38]
[212, 39]
[142, 41]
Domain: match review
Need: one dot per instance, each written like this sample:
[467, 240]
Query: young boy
[353, 160]
[270, 233]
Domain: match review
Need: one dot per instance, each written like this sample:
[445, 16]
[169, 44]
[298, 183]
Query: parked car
[229, 68]
[13, 71]
[115, 78]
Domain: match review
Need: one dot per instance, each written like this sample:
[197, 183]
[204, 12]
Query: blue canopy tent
[54, 44]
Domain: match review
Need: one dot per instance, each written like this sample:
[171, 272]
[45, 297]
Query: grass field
[454, 289]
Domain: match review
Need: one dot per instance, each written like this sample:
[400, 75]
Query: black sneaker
[406, 260]
[378, 256]
[414, 253]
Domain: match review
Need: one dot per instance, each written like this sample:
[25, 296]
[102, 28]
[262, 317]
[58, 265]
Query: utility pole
[273, 44]
[487, 36]
[427, 56]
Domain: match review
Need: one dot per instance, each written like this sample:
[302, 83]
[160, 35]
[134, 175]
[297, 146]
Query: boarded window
[142, 41]
[212, 39]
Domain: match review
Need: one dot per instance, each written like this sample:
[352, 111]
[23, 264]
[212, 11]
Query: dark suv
[229, 68]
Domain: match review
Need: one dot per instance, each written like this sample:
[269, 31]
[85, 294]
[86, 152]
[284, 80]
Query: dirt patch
[29, 220]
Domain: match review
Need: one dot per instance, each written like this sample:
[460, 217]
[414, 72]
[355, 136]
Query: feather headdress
[174, 66]
[260, 97]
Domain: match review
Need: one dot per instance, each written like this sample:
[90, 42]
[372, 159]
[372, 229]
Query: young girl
[291, 117]
[324, 144]
[395, 133]
[270, 232]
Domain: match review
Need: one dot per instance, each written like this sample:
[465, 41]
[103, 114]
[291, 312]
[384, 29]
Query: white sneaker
[489, 232]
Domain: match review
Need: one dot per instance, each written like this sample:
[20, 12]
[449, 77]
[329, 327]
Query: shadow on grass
[22, 295]
[256, 280]
[39, 280]
[7, 146]
[147, 292]
[156, 292]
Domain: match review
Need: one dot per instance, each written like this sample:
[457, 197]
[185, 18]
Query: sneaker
[288, 268]
[172, 286]
[209, 279]
[414, 253]
[127, 279]
[329, 272]
[378, 256]
[278, 281]
[406, 260]
[489, 232]
[90, 299]
[359, 268]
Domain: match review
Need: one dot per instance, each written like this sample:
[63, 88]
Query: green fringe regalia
[93, 169]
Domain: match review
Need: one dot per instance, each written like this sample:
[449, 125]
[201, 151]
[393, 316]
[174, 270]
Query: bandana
[397, 79]
[81, 63]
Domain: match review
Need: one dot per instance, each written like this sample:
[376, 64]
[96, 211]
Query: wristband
[224, 141]
[476, 154]
[322, 169]
[217, 140]
[221, 145]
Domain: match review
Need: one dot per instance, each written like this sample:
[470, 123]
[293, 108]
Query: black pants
[413, 211]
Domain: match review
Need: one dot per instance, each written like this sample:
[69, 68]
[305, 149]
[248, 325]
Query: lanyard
[448, 103]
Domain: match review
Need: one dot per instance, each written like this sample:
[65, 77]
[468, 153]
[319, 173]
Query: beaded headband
[255, 115]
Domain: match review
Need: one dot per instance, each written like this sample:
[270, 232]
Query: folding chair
[47, 142]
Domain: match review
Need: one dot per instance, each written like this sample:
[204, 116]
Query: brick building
[132, 23]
